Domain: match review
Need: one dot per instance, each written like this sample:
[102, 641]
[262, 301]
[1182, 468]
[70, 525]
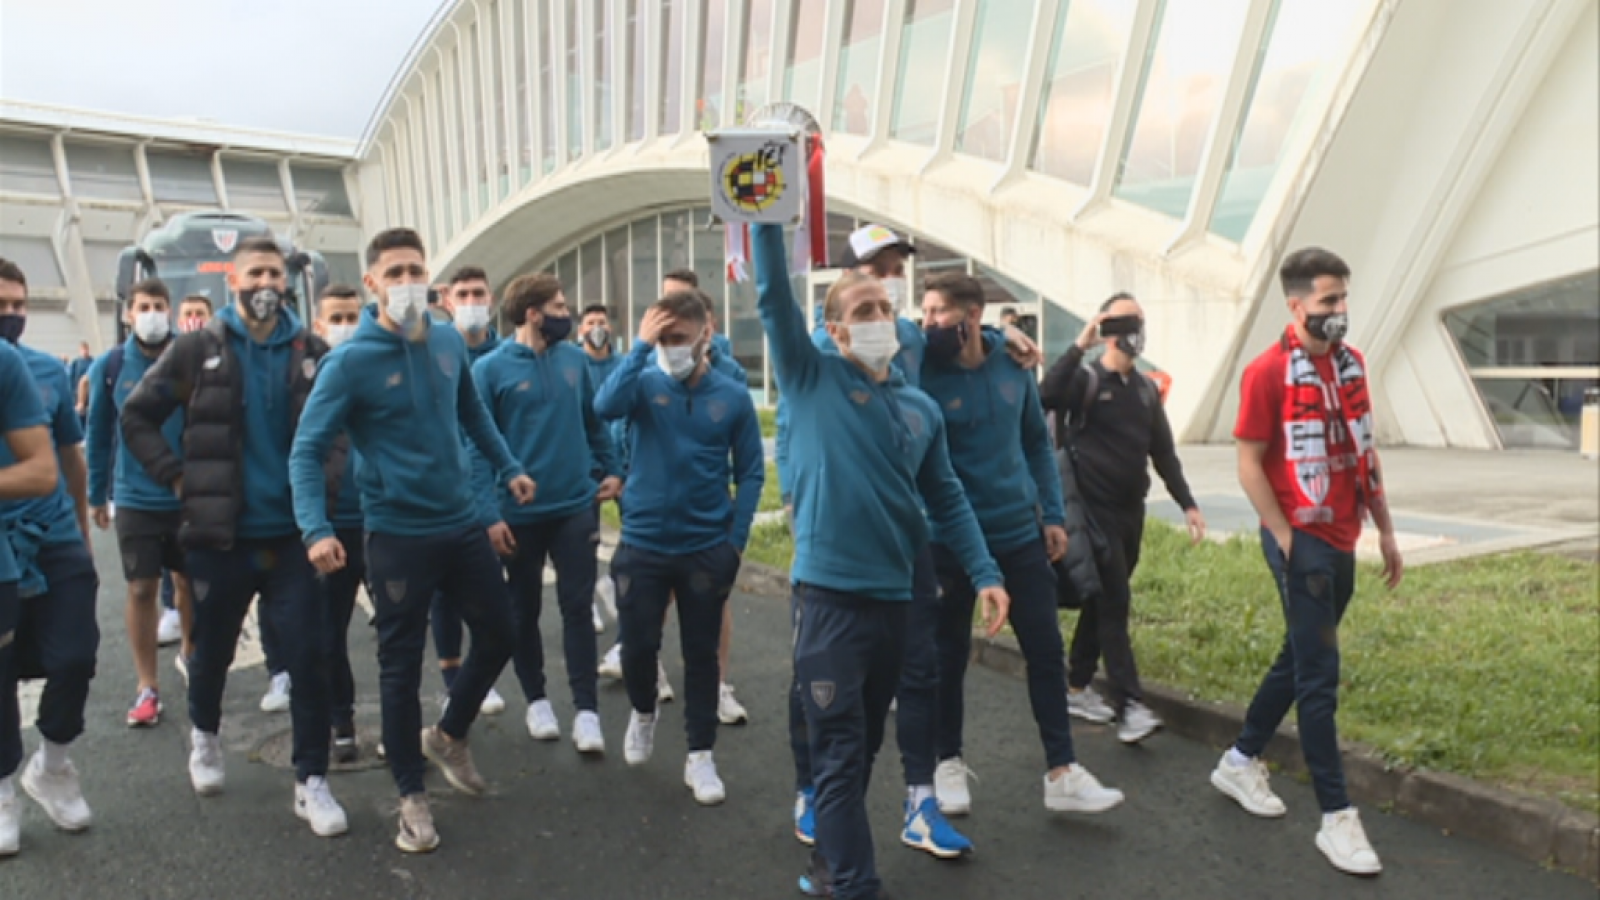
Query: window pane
[27, 166]
[604, 34]
[802, 74]
[646, 276]
[476, 102]
[709, 263]
[615, 296]
[504, 116]
[637, 101]
[253, 184]
[713, 44]
[520, 51]
[924, 57]
[757, 60]
[463, 121]
[671, 80]
[675, 244]
[590, 288]
[1075, 104]
[742, 326]
[344, 268]
[37, 259]
[567, 271]
[185, 178]
[858, 66]
[104, 171]
[839, 228]
[316, 189]
[1299, 59]
[574, 81]
[994, 78]
[1060, 328]
[444, 195]
[547, 88]
[1187, 74]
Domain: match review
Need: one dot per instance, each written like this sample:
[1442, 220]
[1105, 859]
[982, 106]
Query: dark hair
[1114, 299]
[1306, 265]
[958, 288]
[340, 291]
[528, 292]
[593, 308]
[468, 273]
[687, 276]
[393, 239]
[198, 298]
[10, 271]
[151, 287]
[1008, 311]
[689, 306]
[261, 243]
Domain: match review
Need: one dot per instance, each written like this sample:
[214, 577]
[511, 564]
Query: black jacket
[200, 374]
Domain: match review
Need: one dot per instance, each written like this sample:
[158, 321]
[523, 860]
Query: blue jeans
[339, 598]
[1031, 582]
[224, 583]
[646, 583]
[917, 721]
[570, 544]
[847, 660]
[404, 574]
[1314, 588]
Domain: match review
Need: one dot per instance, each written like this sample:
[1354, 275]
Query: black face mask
[1330, 327]
[945, 342]
[261, 304]
[554, 330]
[11, 326]
[1131, 344]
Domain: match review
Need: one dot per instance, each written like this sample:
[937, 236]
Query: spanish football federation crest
[756, 176]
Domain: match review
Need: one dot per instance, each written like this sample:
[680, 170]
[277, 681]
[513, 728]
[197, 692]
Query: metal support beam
[1035, 70]
[1132, 70]
[955, 82]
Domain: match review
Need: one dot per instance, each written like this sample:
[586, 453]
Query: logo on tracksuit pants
[822, 693]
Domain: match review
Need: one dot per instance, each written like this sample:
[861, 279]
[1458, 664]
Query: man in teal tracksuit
[866, 451]
[537, 390]
[1000, 448]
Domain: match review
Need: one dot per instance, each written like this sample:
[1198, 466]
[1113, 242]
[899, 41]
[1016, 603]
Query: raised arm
[321, 422]
[749, 472]
[1062, 388]
[795, 359]
[616, 399]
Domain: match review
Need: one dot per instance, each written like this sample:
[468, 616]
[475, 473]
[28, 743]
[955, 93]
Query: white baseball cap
[868, 240]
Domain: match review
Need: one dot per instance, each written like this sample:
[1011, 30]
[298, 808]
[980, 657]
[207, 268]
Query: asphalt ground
[559, 826]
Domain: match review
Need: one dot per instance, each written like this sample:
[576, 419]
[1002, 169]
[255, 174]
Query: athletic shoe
[169, 630]
[1089, 706]
[729, 710]
[1344, 842]
[664, 692]
[276, 700]
[1249, 786]
[586, 735]
[640, 741]
[1078, 791]
[416, 825]
[454, 759]
[542, 724]
[1138, 723]
[611, 663]
[146, 711]
[927, 829]
[10, 820]
[805, 816]
[700, 776]
[58, 793]
[314, 803]
[817, 880]
[345, 748]
[181, 663]
[205, 763]
[493, 704]
[950, 786]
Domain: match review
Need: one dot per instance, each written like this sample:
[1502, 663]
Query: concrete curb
[1534, 828]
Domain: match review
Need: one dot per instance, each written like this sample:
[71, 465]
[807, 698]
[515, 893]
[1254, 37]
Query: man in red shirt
[1308, 463]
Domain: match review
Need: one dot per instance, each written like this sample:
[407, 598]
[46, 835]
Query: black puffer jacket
[200, 374]
[1077, 576]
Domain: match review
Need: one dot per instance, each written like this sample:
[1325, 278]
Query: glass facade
[1182, 89]
[547, 86]
[1080, 86]
[505, 114]
[27, 166]
[185, 178]
[1532, 354]
[575, 52]
[318, 190]
[994, 78]
[103, 172]
[858, 66]
[671, 80]
[523, 114]
[924, 57]
[253, 184]
[802, 72]
[605, 36]
[756, 62]
[637, 71]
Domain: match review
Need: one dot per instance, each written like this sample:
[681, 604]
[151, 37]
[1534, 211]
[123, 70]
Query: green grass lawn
[768, 415]
[771, 501]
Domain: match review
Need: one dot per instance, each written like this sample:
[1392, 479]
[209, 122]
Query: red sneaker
[146, 712]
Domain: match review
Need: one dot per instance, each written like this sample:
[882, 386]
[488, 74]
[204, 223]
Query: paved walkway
[561, 827]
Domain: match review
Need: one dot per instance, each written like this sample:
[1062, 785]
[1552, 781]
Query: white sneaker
[1344, 842]
[611, 663]
[700, 776]
[664, 692]
[205, 763]
[314, 803]
[605, 594]
[641, 739]
[170, 629]
[599, 620]
[276, 700]
[182, 665]
[586, 735]
[1089, 706]
[542, 724]
[1078, 791]
[729, 711]
[58, 792]
[10, 819]
[950, 787]
[493, 704]
[1248, 785]
[1138, 723]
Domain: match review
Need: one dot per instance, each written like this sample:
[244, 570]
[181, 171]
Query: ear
[370, 283]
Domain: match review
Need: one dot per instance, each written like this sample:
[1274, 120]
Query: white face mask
[152, 327]
[338, 334]
[406, 304]
[677, 362]
[472, 318]
[874, 344]
[897, 290]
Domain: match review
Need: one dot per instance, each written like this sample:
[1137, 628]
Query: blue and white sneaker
[928, 829]
[805, 817]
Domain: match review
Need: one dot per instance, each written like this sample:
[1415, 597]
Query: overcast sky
[309, 66]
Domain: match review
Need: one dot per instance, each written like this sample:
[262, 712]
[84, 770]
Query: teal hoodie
[402, 404]
[113, 471]
[865, 456]
[20, 410]
[543, 403]
[999, 445]
[267, 511]
[55, 514]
